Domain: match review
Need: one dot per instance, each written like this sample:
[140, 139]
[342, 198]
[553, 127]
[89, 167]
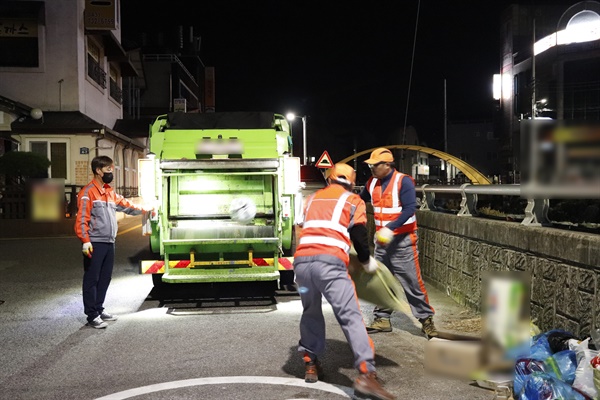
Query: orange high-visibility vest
[386, 205]
[328, 215]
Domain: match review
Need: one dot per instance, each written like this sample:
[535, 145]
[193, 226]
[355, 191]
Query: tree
[19, 166]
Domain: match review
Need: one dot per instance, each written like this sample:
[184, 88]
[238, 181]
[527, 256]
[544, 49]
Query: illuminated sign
[18, 27]
[100, 14]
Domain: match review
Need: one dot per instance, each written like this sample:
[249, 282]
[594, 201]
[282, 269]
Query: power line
[412, 61]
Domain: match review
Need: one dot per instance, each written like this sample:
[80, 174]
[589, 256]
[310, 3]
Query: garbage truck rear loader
[226, 187]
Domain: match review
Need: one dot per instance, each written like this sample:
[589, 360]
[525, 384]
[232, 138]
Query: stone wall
[564, 266]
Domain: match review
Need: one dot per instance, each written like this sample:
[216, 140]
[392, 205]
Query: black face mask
[107, 177]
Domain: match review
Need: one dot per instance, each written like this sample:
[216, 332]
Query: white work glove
[370, 266]
[150, 210]
[384, 236]
[87, 249]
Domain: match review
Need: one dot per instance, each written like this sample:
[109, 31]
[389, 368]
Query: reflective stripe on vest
[385, 215]
[326, 241]
[333, 224]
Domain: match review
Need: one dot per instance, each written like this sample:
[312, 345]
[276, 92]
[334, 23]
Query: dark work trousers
[401, 256]
[317, 279]
[96, 278]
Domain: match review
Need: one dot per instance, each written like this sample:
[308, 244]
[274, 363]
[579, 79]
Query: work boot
[380, 325]
[428, 327]
[368, 385]
[314, 371]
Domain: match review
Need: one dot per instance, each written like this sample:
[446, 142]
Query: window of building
[116, 93]
[94, 64]
[21, 36]
[19, 43]
[56, 150]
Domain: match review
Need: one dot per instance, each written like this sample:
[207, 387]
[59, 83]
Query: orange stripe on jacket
[413, 241]
[320, 218]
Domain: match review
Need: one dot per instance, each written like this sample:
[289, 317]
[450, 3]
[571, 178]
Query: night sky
[346, 65]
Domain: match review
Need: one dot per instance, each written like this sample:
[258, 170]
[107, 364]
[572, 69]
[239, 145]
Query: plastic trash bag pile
[557, 366]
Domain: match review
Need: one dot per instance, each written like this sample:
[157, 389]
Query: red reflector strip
[180, 264]
[155, 267]
[286, 263]
[261, 262]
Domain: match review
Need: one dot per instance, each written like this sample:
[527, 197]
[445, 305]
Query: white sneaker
[108, 317]
[97, 323]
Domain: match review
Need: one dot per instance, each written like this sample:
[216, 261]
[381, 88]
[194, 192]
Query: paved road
[184, 349]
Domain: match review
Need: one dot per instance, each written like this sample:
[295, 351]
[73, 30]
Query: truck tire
[157, 280]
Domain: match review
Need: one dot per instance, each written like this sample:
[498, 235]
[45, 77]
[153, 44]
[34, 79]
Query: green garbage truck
[226, 188]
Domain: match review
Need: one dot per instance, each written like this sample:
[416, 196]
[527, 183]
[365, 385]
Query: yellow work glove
[87, 249]
[370, 266]
[384, 236]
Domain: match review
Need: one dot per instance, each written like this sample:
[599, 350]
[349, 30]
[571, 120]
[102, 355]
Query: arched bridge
[476, 177]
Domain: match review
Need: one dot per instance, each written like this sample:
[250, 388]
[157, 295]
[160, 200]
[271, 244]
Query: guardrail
[537, 198]
[15, 200]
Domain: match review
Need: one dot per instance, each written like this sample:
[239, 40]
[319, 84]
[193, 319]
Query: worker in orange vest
[333, 220]
[394, 201]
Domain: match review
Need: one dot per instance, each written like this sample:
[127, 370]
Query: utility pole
[533, 111]
[446, 130]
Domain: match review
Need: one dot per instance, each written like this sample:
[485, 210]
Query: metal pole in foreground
[304, 140]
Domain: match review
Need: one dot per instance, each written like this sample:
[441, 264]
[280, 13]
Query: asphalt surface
[185, 346]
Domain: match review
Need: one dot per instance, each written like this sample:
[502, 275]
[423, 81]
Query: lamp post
[290, 117]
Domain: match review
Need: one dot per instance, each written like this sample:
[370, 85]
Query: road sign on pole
[324, 161]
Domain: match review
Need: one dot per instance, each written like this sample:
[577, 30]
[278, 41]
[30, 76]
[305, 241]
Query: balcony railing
[115, 92]
[95, 72]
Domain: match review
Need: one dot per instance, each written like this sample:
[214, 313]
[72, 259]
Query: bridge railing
[536, 199]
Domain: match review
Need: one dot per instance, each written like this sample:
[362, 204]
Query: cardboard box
[454, 358]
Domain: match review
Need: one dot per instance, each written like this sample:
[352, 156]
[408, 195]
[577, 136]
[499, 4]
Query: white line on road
[272, 380]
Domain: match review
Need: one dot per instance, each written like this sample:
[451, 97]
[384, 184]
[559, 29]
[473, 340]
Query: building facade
[62, 68]
[550, 69]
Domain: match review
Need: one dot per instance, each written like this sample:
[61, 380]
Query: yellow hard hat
[343, 173]
[380, 155]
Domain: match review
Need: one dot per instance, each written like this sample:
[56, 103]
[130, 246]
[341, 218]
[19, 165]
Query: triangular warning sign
[324, 161]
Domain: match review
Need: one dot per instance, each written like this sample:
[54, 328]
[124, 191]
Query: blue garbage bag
[563, 365]
[541, 348]
[543, 386]
[524, 367]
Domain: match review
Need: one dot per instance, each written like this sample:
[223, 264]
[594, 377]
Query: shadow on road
[337, 359]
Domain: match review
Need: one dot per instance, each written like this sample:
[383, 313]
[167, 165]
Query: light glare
[497, 86]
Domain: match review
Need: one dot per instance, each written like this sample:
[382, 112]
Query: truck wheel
[157, 280]
[286, 281]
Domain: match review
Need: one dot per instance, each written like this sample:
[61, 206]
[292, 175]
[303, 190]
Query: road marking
[272, 380]
[129, 230]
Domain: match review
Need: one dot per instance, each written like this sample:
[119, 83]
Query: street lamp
[290, 117]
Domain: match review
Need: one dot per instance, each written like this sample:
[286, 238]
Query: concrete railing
[537, 198]
[564, 266]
